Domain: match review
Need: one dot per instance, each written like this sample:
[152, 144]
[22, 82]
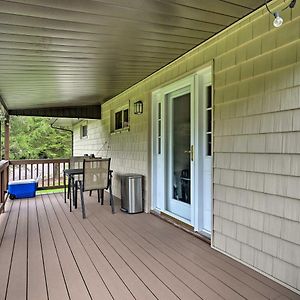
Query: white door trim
[203, 78]
[159, 184]
[184, 210]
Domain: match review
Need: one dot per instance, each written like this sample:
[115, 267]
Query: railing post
[6, 142]
[1, 140]
[3, 183]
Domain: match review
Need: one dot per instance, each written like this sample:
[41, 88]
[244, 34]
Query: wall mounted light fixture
[278, 20]
[138, 107]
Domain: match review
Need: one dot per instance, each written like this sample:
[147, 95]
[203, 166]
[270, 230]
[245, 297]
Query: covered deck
[48, 252]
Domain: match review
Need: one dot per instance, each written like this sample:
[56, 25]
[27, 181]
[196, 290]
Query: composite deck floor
[46, 252]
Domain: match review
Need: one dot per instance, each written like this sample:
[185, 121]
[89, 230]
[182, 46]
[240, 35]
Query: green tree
[34, 138]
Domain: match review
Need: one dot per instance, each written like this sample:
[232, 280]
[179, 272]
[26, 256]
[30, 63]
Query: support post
[0, 140]
[6, 142]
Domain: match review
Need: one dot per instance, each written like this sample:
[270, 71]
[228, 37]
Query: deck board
[198, 279]
[4, 219]
[37, 287]
[158, 288]
[93, 279]
[46, 252]
[121, 230]
[196, 255]
[191, 244]
[57, 288]
[130, 279]
[17, 285]
[108, 262]
[219, 265]
[7, 245]
[74, 280]
[163, 274]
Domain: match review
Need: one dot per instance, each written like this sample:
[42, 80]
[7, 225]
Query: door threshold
[179, 224]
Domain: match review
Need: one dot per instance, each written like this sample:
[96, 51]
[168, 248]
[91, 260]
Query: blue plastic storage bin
[22, 189]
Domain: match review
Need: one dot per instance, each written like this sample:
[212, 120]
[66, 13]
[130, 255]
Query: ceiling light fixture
[278, 19]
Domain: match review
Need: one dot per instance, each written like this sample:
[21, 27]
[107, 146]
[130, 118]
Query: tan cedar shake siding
[257, 147]
[128, 149]
[256, 139]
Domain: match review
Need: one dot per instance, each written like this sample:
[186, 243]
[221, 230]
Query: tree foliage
[34, 138]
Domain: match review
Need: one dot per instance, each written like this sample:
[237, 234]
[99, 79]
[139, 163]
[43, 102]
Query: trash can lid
[132, 175]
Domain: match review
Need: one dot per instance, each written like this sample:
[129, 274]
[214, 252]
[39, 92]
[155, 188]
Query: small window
[83, 131]
[120, 119]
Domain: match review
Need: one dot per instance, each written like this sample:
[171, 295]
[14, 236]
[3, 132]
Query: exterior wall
[256, 139]
[256, 165]
[128, 149]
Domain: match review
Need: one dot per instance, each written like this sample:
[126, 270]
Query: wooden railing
[48, 171]
[4, 164]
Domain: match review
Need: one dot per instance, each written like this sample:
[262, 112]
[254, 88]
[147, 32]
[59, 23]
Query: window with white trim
[120, 119]
[83, 131]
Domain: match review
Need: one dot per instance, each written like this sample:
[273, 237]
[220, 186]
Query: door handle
[190, 152]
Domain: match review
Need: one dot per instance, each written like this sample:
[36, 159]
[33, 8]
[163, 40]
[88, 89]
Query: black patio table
[71, 173]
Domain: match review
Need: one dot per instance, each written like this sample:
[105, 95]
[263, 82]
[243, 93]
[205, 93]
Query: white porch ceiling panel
[74, 52]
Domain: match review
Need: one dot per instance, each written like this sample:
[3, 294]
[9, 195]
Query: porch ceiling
[74, 52]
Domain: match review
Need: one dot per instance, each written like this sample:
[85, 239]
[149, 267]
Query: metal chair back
[96, 173]
[76, 162]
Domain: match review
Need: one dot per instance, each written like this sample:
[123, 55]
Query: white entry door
[182, 150]
[179, 152]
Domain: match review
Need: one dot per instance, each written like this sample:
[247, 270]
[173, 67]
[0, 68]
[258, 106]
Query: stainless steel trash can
[132, 193]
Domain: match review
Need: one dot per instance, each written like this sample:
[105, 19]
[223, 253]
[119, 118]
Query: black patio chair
[96, 177]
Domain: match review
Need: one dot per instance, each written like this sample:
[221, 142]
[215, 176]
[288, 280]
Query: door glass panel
[159, 128]
[208, 120]
[181, 147]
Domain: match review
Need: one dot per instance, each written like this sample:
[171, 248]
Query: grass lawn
[50, 191]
